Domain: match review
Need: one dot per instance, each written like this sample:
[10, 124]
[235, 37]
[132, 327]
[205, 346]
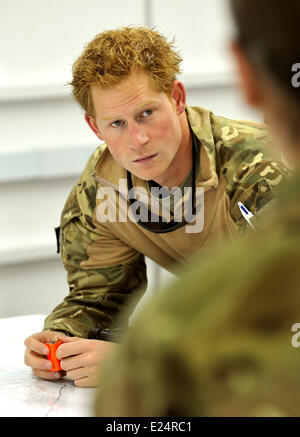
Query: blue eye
[116, 123]
[148, 112]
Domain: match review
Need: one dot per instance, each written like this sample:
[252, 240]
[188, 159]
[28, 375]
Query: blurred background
[44, 140]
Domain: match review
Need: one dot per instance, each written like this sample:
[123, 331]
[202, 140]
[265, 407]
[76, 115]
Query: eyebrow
[138, 108]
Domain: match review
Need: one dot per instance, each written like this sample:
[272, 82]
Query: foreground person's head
[267, 49]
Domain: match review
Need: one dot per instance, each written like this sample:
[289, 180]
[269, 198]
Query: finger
[30, 358]
[71, 339]
[46, 374]
[90, 380]
[36, 341]
[36, 361]
[36, 346]
[78, 373]
[73, 362]
[84, 376]
[68, 349]
[57, 335]
[83, 382]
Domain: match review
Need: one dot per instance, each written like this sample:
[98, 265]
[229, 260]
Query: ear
[251, 85]
[178, 96]
[92, 124]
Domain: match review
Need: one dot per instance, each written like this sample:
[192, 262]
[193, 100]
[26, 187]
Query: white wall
[44, 141]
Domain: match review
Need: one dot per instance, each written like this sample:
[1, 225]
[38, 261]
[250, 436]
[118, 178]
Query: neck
[183, 160]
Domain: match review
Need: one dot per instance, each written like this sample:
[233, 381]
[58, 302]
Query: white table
[24, 395]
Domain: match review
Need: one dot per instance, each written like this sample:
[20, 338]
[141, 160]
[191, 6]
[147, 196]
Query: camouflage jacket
[103, 253]
[224, 340]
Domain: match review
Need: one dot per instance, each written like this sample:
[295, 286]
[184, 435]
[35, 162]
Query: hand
[82, 358]
[36, 351]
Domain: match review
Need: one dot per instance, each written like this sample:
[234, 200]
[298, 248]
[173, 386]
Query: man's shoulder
[87, 184]
[232, 142]
[224, 128]
[101, 168]
[230, 137]
[245, 153]
[241, 140]
[91, 165]
[82, 198]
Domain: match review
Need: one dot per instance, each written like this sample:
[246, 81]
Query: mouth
[145, 159]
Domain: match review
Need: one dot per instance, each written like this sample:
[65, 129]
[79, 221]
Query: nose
[137, 136]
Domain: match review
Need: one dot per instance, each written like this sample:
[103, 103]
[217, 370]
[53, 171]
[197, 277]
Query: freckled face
[140, 126]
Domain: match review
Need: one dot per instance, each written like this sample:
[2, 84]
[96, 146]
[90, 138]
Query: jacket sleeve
[97, 295]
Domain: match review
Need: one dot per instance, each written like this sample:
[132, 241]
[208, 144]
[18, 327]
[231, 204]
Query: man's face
[140, 126]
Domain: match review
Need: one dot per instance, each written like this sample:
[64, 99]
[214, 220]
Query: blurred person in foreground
[223, 340]
[164, 152]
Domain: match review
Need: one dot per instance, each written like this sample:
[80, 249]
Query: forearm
[97, 298]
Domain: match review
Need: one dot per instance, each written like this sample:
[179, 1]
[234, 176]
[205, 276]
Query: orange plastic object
[52, 355]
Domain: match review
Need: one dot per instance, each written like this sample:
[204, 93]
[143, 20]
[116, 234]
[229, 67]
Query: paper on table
[24, 395]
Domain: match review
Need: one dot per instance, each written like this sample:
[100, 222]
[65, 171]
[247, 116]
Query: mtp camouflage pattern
[105, 260]
[220, 342]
